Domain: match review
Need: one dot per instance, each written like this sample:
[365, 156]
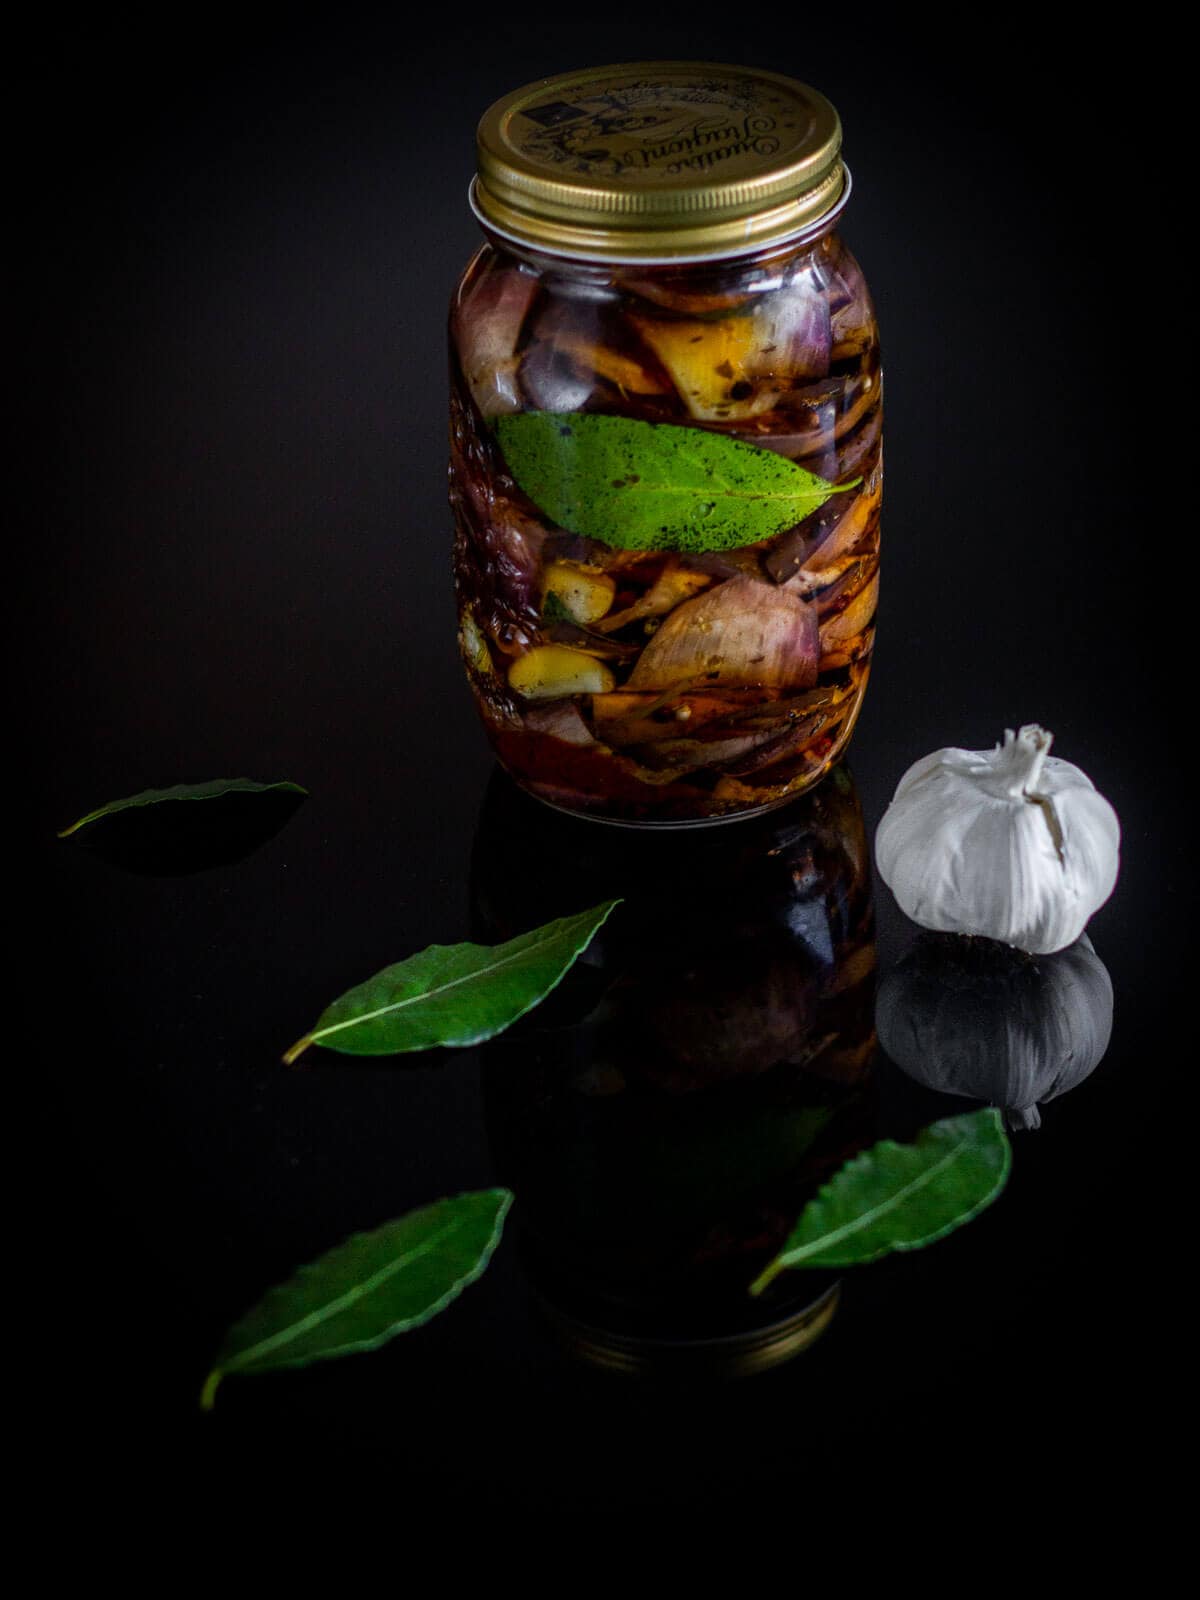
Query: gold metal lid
[659, 160]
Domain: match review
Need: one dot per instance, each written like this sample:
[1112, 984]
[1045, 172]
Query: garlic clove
[585, 593]
[743, 632]
[553, 671]
[489, 324]
[1008, 844]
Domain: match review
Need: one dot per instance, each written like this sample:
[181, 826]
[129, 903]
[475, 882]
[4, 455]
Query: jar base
[669, 824]
[724, 1356]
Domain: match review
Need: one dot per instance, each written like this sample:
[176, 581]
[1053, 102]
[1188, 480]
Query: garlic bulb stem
[1026, 754]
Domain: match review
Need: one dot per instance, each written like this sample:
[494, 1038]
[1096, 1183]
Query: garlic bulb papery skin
[1009, 844]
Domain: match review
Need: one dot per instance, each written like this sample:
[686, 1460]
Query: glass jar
[666, 464]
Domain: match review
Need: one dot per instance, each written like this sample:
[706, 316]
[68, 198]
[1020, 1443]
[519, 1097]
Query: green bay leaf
[216, 789]
[190, 827]
[900, 1196]
[455, 994]
[655, 485]
[368, 1289]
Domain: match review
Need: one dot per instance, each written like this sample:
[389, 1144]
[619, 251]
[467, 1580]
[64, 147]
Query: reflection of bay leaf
[368, 1289]
[187, 827]
[900, 1196]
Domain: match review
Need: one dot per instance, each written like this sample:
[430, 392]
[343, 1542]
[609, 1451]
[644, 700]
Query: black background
[237, 247]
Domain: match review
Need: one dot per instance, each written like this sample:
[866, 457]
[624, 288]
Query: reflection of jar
[665, 443]
[666, 1113]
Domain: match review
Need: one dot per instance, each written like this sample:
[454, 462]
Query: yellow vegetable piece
[553, 671]
[585, 592]
[713, 365]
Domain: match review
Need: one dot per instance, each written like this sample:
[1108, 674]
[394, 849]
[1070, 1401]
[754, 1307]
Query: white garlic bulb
[1010, 844]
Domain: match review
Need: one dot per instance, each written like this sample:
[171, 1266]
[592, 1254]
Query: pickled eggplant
[667, 617]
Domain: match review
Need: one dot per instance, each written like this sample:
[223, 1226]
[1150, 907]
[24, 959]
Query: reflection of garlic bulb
[983, 1022]
[1006, 843]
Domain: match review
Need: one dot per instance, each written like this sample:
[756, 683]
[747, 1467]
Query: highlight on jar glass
[666, 459]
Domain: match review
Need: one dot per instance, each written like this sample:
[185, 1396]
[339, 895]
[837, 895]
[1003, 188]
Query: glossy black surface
[232, 436]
